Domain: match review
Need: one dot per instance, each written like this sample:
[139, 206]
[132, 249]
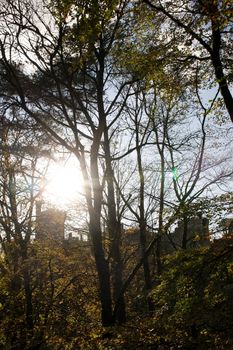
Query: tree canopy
[137, 96]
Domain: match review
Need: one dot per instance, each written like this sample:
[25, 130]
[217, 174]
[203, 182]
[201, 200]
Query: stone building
[50, 224]
[197, 234]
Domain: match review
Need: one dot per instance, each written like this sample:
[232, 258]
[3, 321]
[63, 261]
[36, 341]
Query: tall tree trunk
[161, 148]
[217, 62]
[114, 228]
[161, 209]
[102, 267]
[142, 219]
[102, 264]
[211, 11]
[27, 289]
[28, 299]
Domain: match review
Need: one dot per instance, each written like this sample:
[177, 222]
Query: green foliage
[63, 298]
[193, 300]
[83, 23]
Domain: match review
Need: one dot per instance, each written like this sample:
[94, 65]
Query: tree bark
[27, 289]
[185, 232]
[102, 267]
[214, 51]
[114, 228]
[102, 264]
[218, 67]
[142, 219]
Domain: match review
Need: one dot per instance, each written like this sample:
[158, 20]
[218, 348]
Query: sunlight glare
[63, 184]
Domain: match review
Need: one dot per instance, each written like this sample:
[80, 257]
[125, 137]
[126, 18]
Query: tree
[139, 136]
[207, 27]
[46, 288]
[78, 70]
[194, 296]
[186, 174]
[181, 148]
[72, 69]
[19, 183]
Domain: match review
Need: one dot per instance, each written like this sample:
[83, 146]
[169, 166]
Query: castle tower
[50, 224]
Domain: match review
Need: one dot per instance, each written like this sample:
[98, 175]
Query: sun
[63, 184]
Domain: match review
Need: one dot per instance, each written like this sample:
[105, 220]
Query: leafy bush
[194, 300]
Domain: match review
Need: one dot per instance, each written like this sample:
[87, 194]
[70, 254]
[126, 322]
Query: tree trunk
[185, 232]
[114, 228]
[218, 68]
[102, 264]
[27, 289]
[142, 219]
[102, 267]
